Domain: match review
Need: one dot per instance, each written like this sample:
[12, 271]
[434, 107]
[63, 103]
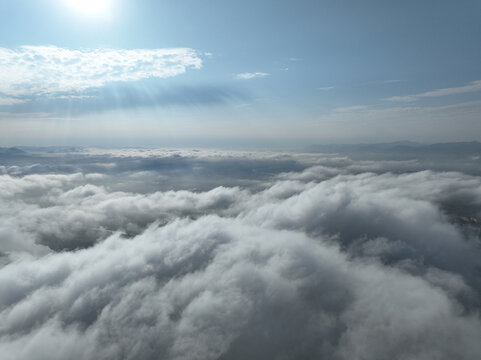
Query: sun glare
[90, 7]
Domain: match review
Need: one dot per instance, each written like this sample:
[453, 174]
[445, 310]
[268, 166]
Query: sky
[141, 217]
[153, 73]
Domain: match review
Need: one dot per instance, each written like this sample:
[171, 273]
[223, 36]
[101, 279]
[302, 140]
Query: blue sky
[143, 72]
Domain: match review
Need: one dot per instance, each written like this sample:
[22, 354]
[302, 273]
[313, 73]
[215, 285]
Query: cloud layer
[319, 257]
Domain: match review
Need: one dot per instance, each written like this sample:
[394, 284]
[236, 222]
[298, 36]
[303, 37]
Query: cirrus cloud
[472, 87]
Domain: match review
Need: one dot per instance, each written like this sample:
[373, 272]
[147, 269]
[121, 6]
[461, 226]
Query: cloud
[350, 109]
[49, 71]
[415, 122]
[472, 87]
[7, 101]
[310, 256]
[217, 287]
[325, 88]
[248, 76]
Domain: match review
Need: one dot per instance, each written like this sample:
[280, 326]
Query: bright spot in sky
[90, 7]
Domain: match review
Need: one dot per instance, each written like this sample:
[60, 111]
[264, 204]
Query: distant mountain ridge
[401, 147]
[51, 149]
[11, 151]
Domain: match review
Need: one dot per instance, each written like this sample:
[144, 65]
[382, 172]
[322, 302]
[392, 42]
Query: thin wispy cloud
[401, 120]
[327, 88]
[32, 71]
[471, 87]
[7, 101]
[350, 109]
[390, 81]
[251, 75]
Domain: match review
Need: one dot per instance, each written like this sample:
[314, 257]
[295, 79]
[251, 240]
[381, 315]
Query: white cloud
[221, 287]
[10, 101]
[248, 76]
[325, 88]
[48, 70]
[472, 87]
[320, 263]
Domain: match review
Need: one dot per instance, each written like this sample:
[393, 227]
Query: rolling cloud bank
[163, 254]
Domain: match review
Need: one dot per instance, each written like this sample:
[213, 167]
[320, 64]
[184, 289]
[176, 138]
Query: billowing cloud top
[142, 255]
[49, 70]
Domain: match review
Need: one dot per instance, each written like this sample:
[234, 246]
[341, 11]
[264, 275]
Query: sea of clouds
[166, 254]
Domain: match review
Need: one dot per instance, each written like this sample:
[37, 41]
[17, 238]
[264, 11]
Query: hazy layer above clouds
[187, 254]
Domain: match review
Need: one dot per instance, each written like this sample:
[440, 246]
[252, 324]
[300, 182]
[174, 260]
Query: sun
[90, 7]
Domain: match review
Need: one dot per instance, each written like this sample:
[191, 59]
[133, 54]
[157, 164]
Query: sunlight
[90, 7]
